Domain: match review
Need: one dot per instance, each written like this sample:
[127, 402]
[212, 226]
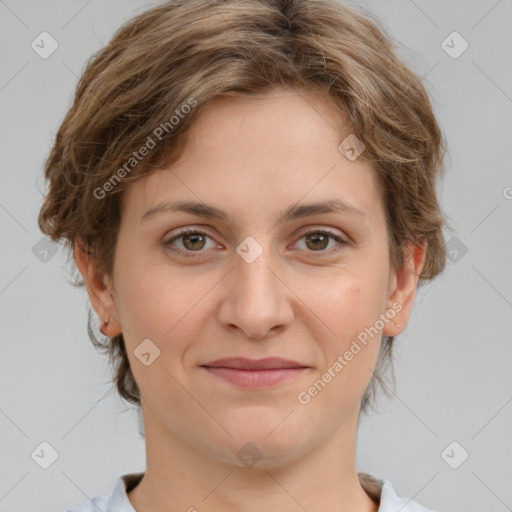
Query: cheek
[158, 308]
[166, 305]
[347, 304]
[350, 310]
[149, 303]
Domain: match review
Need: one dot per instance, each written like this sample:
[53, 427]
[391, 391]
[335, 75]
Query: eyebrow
[212, 212]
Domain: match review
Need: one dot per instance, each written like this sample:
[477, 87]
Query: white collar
[118, 500]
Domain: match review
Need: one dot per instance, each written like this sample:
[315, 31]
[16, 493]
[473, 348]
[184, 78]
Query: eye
[193, 240]
[318, 239]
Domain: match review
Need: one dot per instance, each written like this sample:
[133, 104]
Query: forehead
[259, 153]
[281, 119]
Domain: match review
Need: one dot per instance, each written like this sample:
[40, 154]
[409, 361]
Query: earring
[105, 322]
[395, 322]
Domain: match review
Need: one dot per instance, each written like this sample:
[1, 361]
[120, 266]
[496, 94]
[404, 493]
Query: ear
[402, 288]
[100, 292]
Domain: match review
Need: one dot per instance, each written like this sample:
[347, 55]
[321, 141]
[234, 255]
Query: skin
[303, 301]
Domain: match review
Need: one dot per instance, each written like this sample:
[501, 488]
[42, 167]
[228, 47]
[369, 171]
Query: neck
[181, 477]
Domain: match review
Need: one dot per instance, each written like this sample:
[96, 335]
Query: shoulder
[116, 501]
[393, 502]
[383, 492]
[92, 505]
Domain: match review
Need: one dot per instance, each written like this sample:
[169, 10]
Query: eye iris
[318, 236]
[317, 241]
[194, 237]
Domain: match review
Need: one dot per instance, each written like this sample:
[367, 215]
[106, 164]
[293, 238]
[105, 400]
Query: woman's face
[257, 285]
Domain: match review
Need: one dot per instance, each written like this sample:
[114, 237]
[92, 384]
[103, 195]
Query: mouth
[250, 373]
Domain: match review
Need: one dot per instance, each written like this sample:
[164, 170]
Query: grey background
[452, 364]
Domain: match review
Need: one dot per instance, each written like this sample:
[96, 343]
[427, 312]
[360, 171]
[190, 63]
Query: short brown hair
[184, 50]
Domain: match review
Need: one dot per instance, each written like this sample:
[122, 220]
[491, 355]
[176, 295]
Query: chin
[264, 449]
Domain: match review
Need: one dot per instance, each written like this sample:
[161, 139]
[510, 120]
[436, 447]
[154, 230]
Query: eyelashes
[183, 233]
[325, 234]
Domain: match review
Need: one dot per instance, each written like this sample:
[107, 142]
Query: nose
[256, 299]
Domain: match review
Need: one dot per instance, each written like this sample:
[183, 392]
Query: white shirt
[118, 500]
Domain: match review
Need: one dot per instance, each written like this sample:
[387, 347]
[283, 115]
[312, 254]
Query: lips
[255, 374]
[241, 363]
